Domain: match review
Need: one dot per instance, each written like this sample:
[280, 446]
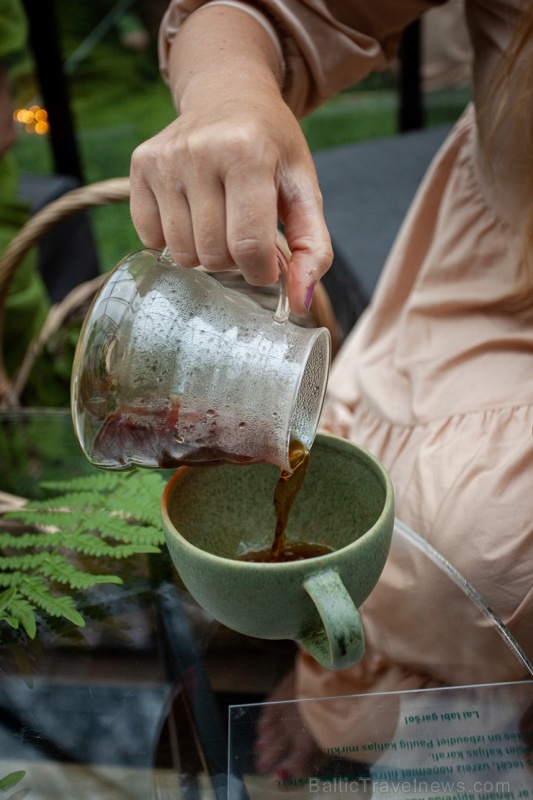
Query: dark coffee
[292, 551]
[147, 433]
[286, 491]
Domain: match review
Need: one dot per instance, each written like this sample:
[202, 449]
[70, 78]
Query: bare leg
[285, 747]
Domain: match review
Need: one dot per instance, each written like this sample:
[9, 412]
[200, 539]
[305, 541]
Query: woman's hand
[214, 183]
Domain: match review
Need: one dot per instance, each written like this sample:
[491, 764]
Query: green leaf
[24, 541]
[105, 515]
[12, 578]
[116, 527]
[37, 591]
[11, 780]
[60, 570]
[24, 563]
[23, 613]
[98, 548]
[140, 497]
[99, 482]
[43, 518]
[10, 621]
[67, 501]
[6, 598]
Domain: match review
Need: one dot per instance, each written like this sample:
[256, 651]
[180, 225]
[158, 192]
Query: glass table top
[154, 699]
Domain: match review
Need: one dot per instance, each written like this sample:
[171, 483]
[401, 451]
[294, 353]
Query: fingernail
[309, 297]
[283, 774]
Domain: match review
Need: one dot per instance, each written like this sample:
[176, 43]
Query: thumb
[310, 244]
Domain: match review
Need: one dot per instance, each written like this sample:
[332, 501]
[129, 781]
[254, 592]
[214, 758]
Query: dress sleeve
[328, 45]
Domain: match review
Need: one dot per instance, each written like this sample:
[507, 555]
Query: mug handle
[341, 642]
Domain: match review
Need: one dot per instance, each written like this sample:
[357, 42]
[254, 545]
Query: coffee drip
[287, 488]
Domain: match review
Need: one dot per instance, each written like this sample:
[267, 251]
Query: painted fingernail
[309, 297]
[283, 774]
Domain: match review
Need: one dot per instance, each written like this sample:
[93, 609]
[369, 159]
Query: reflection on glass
[458, 742]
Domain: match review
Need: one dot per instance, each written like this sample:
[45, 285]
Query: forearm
[222, 52]
[327, 46]
[214, 183]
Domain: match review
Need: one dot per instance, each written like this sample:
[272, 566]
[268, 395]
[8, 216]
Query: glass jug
[173, 368]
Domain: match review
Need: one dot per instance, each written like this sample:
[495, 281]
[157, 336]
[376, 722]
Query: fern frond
[116, 527]
[139, 497]
[96, 547]
[67, 501]
[98, 482]
[6, 598]
[37, 592]
[23, 541]
[21, 612]
[41, 517]
[58, 569]
[24, 563]
[12, 578]
[106, 515]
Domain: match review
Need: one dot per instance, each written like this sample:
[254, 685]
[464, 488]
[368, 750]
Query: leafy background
[78, 524]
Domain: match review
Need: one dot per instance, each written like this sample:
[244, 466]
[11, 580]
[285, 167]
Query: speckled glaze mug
[213, 515]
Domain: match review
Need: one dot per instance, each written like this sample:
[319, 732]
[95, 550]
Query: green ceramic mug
[212, 514]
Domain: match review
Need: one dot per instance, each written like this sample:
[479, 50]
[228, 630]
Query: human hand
[213, 184]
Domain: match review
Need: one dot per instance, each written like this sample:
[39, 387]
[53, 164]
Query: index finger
[252, 216]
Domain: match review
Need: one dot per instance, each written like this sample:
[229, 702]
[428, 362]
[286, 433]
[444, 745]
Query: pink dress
[437, 377]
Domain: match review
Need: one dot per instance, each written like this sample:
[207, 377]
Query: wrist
[247, 58]
[263, 21]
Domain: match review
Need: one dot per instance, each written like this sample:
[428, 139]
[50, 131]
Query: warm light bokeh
[34, 119]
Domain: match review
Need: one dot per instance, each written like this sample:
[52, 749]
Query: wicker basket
[111, 191]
